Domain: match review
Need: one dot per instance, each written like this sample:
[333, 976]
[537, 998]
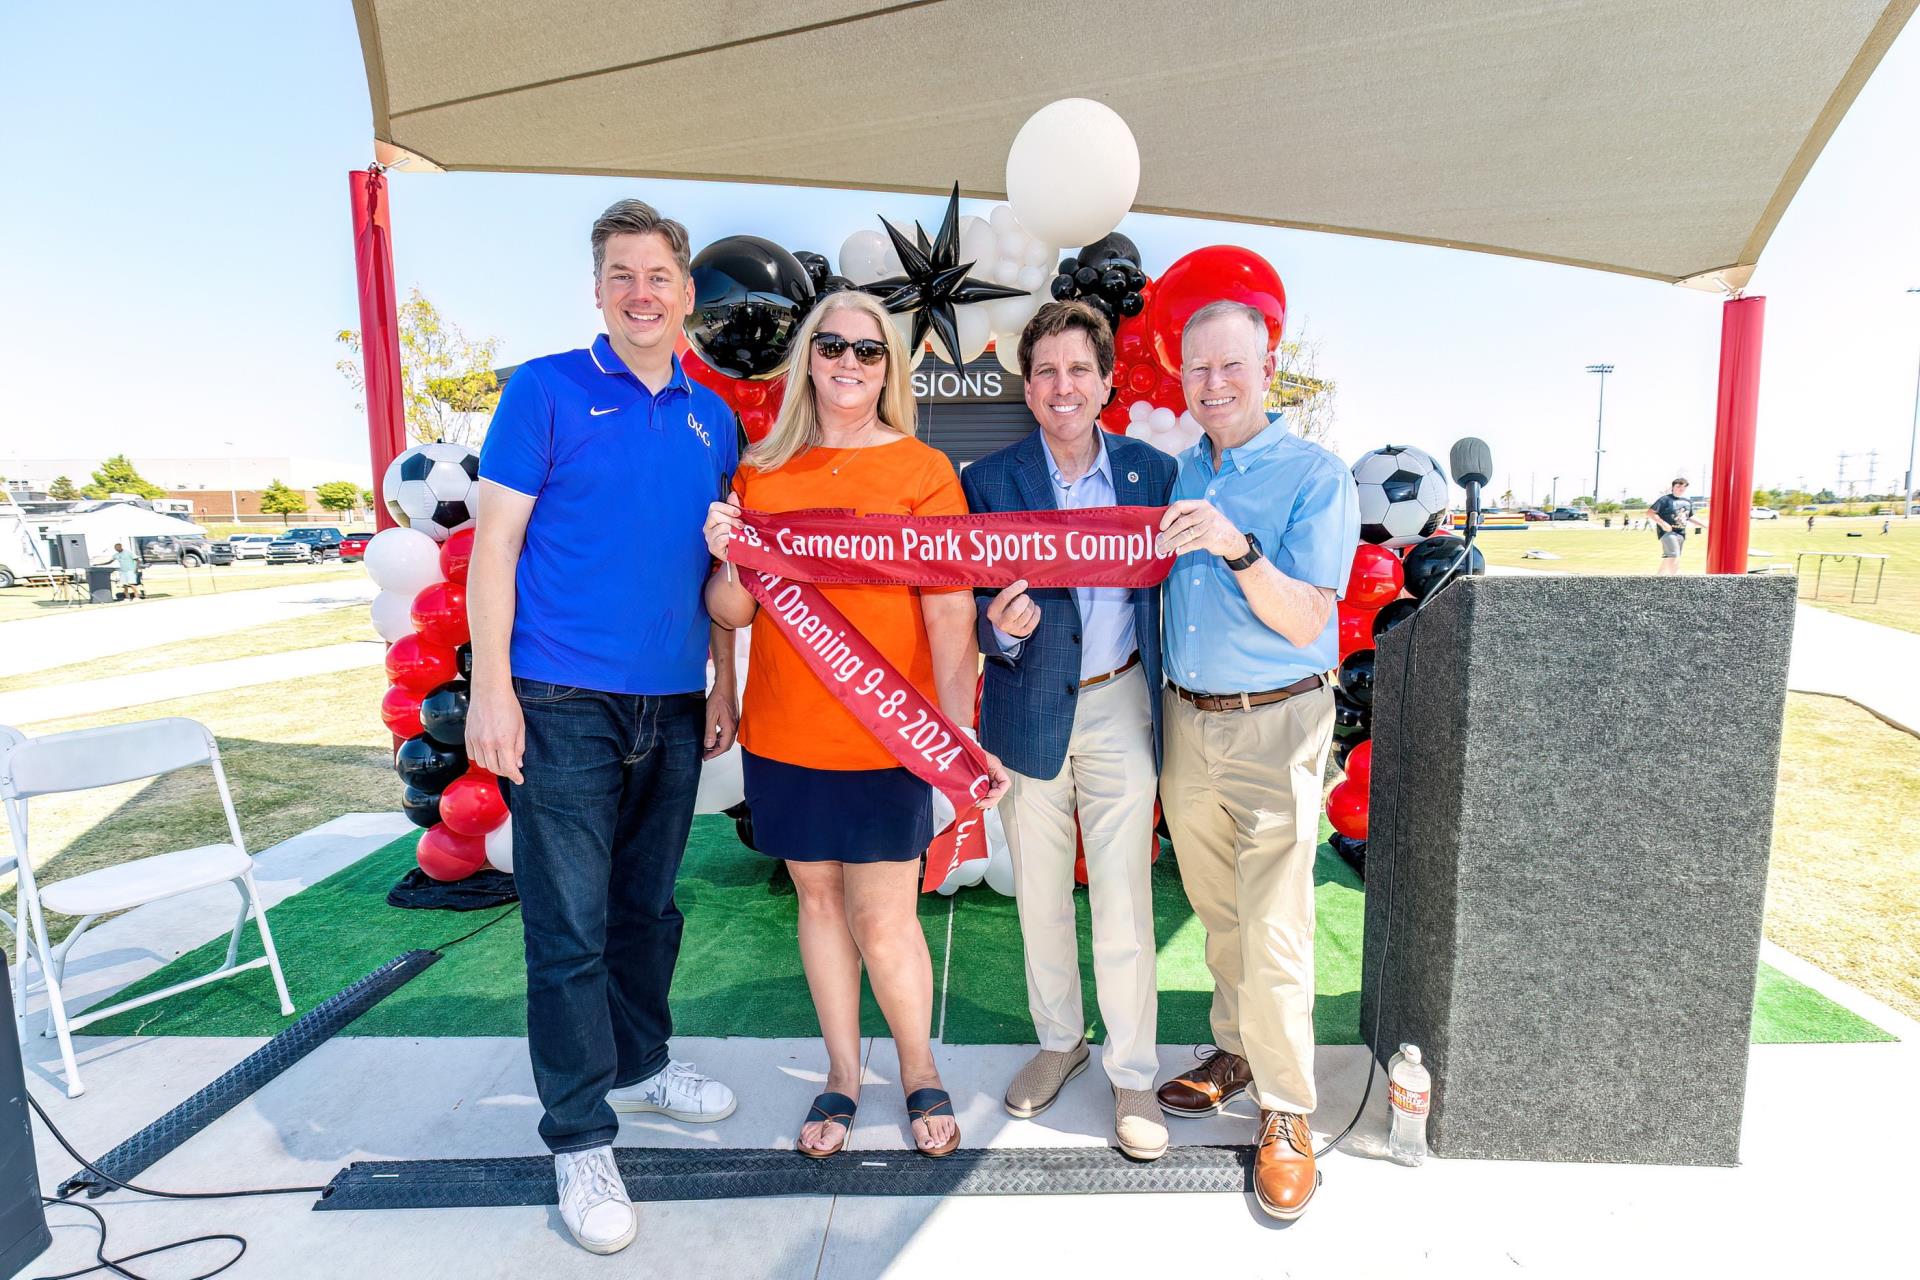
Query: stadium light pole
[1913, 436]
[1600, 426]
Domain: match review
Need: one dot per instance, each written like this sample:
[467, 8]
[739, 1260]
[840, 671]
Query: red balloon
[756, 423]
[440, 614]
[755, 401]
[1219, 272]
[1377, 577]
[471, 805]
[448, 855]
[1360, 766]
[420, 666]
[1356, 629]
[400, 709]
[455, 552]
[1347, 810]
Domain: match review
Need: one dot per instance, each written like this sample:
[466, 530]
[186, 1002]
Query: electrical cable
[114, 1264]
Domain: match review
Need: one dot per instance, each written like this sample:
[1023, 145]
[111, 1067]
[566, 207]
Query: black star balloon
[936, 280]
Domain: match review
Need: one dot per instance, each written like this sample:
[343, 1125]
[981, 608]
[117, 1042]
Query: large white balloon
[392, 615]
[499, 843]
[1007, 352]
[405, 561]
[1073, 171]
[977, 243]
[999, 870]
[975, 330]
[863, 256]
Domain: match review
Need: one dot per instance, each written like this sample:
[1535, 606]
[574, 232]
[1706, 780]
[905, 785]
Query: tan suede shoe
[1041, 1080]
[1138, 1123]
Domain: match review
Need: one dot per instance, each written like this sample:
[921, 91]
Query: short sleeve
[518, 451]
[1324, 528]
[940, 494]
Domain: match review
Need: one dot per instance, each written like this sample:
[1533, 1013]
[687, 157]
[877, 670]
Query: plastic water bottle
[1410, 1094]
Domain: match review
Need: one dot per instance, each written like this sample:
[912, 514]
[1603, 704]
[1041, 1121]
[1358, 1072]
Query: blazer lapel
[1030, 475]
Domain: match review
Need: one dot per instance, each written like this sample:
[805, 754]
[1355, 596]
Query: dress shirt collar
[1102, 462]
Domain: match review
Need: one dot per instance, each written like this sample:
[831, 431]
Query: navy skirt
[837, 815]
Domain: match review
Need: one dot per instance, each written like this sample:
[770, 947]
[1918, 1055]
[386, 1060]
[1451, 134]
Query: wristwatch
[1246, 561]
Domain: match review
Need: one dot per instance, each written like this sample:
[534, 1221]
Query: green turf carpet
[739, 971]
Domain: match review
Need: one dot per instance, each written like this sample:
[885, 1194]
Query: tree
[447, 385]
[1506, 499]
[366, 499]
[277, 499]
[116, 475]
[63, 489]
[1634, 504]
[1299, 391]
[338, 495]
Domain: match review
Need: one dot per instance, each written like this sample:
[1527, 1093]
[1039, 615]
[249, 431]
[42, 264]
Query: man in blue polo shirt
[1264, 525]
[590, 646]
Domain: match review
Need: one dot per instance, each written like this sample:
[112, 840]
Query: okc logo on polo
[700, 431]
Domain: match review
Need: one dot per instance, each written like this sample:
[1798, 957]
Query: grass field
[331, 626]
[1584, 549]
[165, 582]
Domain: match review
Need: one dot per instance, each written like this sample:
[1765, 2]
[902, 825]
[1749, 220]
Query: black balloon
[935, 281]
[421, 807]
[1112, 281]
[816, 265]
[1352, 852]
[833, 284]
[443, 714]
[1132, 304]
[1069, 265]
[1086, 277]
[1110, 248]
[463, 661]
[1351, 720]
[1392, 615]
[750, 296]
[1062, 287]
[1432, 563]
[427, 766]
[1356, 679]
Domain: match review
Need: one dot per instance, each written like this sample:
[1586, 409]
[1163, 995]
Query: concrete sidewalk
[29, 706]
[1877, 667]
[98, 631]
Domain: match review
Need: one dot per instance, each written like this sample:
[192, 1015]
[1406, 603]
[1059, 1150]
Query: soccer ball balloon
[431, 487]
[1403, 495]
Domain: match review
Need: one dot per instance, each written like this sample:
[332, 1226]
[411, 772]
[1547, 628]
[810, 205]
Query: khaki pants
[1241, 792]
[1109, 777]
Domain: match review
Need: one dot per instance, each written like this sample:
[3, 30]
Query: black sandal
[834, 1108]
[924, 1104]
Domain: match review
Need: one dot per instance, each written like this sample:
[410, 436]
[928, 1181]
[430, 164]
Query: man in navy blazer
[1072, 707]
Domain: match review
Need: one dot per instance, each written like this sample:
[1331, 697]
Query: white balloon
[1140, 430]
[1040, 254]
[1072, 172]
[404, 561]
[392, 615]
[500, 846]
[976, 241]
[999, 869]
[1186, 433]
[975, 330]
[1002, 220]
[1138, 411]
[1008, 316]
[721, 784]
[1008, 353]
[1163, 419]
[863, 256]
[1013, 245]
[1032, 279]
[1006, 270]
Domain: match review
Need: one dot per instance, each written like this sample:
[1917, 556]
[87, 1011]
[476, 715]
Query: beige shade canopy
[1659, 138]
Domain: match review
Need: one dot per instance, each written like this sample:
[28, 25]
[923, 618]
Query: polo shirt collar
[608, 363]
[1103, 463]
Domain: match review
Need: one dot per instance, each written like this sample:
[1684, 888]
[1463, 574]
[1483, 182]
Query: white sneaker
[678, 1091]
[593, 1200]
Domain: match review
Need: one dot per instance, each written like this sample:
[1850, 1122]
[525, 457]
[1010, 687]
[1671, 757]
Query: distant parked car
[1568, 513]
[1533, 513]
[353, 546]
[249, 546]
[1764, 513]
[164, 548]
[308, 545]
[220, 553]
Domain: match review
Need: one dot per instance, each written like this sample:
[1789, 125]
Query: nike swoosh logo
[594, 413]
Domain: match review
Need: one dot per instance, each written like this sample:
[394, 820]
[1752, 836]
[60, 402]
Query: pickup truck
[307, 545]
[168, 549]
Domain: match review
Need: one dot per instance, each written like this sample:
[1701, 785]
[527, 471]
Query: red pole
[379, 329]
[1741, 324]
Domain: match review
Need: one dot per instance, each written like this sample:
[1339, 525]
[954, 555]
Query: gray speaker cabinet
[1571, 812]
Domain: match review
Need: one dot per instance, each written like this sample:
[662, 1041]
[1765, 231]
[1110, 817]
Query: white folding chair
[88, 758]
[29, 927]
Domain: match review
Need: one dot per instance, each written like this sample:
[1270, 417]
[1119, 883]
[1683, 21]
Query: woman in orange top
[826, 796]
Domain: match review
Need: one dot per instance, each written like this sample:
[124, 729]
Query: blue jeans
[599, 828]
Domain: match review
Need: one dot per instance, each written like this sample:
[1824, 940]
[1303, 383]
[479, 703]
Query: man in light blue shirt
[1070, 705]
[1264, 525]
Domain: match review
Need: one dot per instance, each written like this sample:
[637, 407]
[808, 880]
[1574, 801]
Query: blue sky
[177, 259]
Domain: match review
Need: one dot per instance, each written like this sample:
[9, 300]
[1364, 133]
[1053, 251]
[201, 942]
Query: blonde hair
[797, 429]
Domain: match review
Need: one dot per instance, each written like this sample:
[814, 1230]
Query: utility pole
[1873, 470]
[1553, 493]
[1600, 426]
[1840, 484]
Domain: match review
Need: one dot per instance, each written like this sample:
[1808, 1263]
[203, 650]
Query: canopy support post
[379, 329]
[1742, 322]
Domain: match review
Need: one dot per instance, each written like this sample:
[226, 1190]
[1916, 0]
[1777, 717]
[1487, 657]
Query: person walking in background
[1671, 513]
[1264, 525]
[590, 649]
[1071, 704]
[126, 571]
[826, 796]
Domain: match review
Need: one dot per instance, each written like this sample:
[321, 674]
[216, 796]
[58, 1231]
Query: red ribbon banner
[781, 556]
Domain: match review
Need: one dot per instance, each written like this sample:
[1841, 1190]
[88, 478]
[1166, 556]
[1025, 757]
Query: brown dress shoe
[1283, 1174]
[1218, 1079]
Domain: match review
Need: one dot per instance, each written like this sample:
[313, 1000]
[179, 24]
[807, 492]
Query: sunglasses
[831, 346]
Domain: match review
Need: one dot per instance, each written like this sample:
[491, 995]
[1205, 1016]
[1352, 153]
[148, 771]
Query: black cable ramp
[246, 1077]
[676, 1173]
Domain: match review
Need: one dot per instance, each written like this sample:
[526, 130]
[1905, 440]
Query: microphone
[1472, 465]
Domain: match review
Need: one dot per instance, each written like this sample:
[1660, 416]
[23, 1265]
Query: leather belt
[1120, 670]
[1248, 701]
